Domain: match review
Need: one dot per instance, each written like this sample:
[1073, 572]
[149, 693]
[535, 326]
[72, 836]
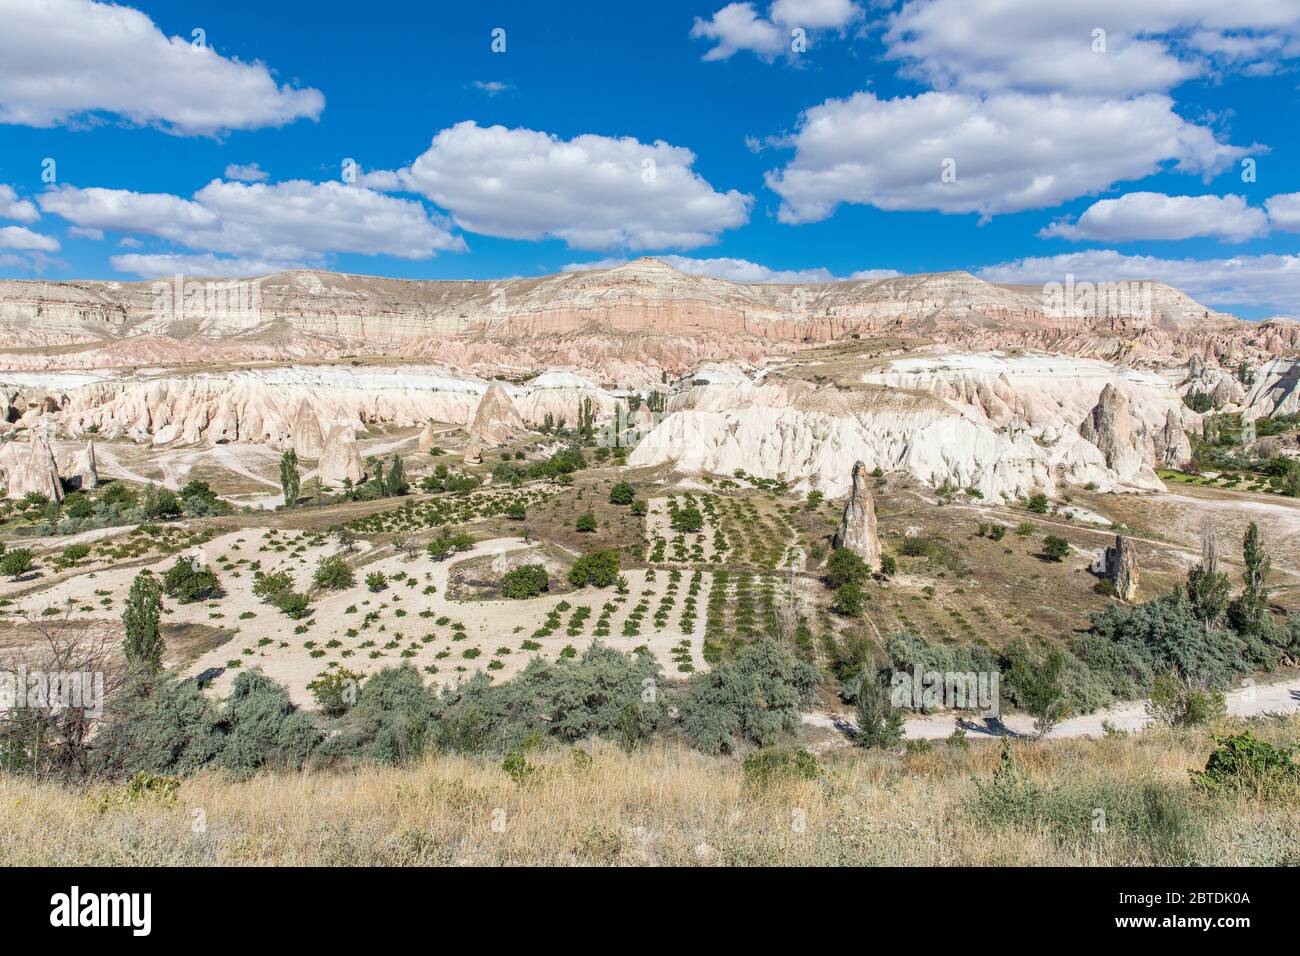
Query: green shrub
[597, 568]
[586, 522]
[845, 567]
[755, 698]
[622, 494]
[1055, 547]
[1244, 762]
[335, 691]
[376, 581]
[762, 768]
[187, 582]
[525, 581]
[334, 574]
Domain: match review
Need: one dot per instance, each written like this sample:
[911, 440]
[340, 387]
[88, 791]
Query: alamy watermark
[1098, 300]
[924, 690]
[214, 299]
[52, 690]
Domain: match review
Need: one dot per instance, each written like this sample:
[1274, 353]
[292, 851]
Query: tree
[334, 574]
[1208, 589]
[290, 480]
[395, 484]
[1038, 686]
[143, 643]
[687, 519]
[845, 567]
[15, 563]
[525, 581]
[622, 494]
[850, 599]
[888, 566]
[599, 568]
[1247, 613]
[880, 723]
[1055, 547]
[586, 522]
[1038, 503]
[188, 582]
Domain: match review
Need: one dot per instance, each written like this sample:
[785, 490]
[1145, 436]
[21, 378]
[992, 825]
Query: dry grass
[663, 806]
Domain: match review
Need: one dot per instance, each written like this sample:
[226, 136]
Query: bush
[16, 562]
[888, 566]
[392, 720]
[754, 698]
[264, 728]
[622, 494]
[334, 574]
[586, 522]
[1038, 503]
[1243, 762]
[640, 508]
[269, 586]
[1055, 547]
[880, 723]
[525, 581]
[187, 582]
[376, 581]
[850, 600]
[161, 727]
[1177, 703]
[335, 691]
[598, 568]
[845, 567]
[295, 605]
[762, 768]
[687, 519]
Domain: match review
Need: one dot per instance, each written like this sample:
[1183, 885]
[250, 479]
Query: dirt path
[1282, 697]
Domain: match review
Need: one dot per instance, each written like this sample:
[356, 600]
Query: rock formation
[340, 461]
[1172, 447]
[473, 453]
[496, 420]
[857, 530]
[308, 441]
[428, 436]
[83, 474]
[33, 469]
[1119, 565]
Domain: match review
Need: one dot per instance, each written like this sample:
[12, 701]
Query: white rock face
[1276, 390]
[83, 473]
[496, 420]
[30, 467]
[1007, 425]
[340, 462]
[308, 441]
[277, 405]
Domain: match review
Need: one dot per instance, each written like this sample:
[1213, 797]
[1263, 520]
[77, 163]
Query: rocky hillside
[624, 319]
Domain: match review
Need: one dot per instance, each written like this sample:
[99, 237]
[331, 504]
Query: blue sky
[1111, 155]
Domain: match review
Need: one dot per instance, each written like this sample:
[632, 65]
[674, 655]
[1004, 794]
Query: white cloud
[738, 26]
[289, 222]
[11, 207]
[1029, 45]
[83, 232]
[1265, 281]
[251, 173]
[168, 264]
[20, 237]
[738, 270]
[1012, 151]
[65, 61]
[1284, 212]
[493, 87]
[1143, 215]
[593, 192]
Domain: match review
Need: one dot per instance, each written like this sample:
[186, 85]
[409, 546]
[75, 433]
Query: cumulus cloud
[739, 270]
[251, 173]
[289, 222]
[1284, 212]
[1004, 152]
[1264, 281]
[20, 237]
[68, 61]
[593, 192]
[738, 26]
[1143, 215]
[11, 207]
[168, 264]
[1028, 45]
